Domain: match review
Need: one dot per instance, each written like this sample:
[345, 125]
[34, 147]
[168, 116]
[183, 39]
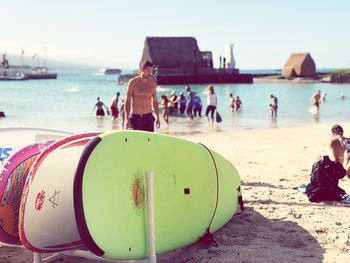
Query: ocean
[67, 103]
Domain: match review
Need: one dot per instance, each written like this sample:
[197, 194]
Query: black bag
[218, 117]
[323, 185]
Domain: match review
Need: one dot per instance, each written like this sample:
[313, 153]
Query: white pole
[150, 214]
[36, 257]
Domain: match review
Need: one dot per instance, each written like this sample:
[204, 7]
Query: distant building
[176, 55]
[299, 65]
[178, 60]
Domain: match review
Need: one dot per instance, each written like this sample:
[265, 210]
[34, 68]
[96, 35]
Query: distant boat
[13, 77]
[41, 73]
[110, 71]
[23, 72]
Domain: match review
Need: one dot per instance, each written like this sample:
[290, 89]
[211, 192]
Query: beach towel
[324, 178]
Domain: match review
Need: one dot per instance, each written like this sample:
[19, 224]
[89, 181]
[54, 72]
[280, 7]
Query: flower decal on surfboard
[138, 192]
[39, 202]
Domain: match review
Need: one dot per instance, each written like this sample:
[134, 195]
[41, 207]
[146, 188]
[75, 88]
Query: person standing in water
[232, 102]
[316, 100]
[197, 106]
[114, 106]
[141, 95]
[212, 101]
[99, 106]
[122, 111]
[182, 101]
[189, 106]
[274, 106]
[164, 103]
[238, 103]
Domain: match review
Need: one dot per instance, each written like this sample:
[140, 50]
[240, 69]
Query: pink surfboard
[13, 174]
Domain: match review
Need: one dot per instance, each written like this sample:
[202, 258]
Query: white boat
[14, 77]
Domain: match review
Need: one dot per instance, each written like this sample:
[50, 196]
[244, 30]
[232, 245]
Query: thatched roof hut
[176, 54]
[299, 65]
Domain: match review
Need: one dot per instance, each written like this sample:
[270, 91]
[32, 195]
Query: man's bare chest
[143, 89]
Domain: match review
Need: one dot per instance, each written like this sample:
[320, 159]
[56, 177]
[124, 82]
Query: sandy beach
[279, 224]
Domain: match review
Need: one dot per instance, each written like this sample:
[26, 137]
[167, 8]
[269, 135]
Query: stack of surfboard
[89, 191]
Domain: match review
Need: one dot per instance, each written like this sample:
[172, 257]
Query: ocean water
[66, 104]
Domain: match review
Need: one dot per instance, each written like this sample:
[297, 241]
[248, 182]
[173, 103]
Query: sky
[112, 32]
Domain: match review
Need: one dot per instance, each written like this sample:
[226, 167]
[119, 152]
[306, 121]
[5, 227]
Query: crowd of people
[140, 107]
[185, 104]
[140, 104]
[189, 104]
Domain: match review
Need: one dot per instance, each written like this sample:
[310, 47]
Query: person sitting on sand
[340, 147]
[99, 105]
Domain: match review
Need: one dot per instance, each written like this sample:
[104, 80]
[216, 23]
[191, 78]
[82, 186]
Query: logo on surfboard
[138, 192]
[55, 198]
[5, 152]
[39, 202]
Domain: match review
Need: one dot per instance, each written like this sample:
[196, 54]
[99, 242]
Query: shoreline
[277, 79]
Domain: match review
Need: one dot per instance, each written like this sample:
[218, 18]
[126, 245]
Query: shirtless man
[340, 147]
[316, 99]
[141, 95]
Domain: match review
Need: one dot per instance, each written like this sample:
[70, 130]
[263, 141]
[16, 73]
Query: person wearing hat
[340, 147]
[141, 97]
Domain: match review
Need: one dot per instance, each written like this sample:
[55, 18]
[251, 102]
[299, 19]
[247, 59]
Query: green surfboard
[195, 190]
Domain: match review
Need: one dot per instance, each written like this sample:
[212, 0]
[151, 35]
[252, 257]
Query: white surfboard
[46, 220]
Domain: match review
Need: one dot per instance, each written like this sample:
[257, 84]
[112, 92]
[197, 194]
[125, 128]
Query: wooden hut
[299, 65]
[176, 55]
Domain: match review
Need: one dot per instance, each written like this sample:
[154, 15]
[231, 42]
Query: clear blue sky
[112, 33]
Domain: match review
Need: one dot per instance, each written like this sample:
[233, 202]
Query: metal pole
[150, 214]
